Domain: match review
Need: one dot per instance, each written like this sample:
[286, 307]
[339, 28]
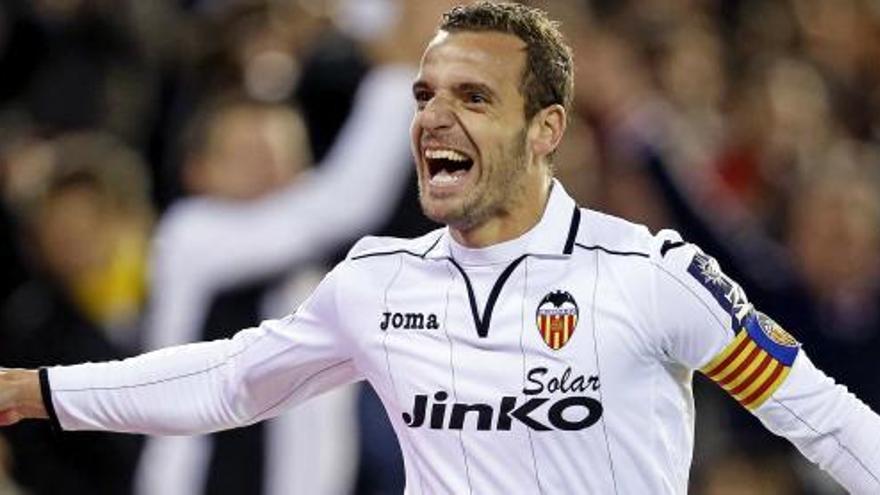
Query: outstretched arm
[193, 388]
[20, 396]
[711, 326]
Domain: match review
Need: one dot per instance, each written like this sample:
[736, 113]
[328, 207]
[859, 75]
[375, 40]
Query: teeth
[445, 155]
[444, 178]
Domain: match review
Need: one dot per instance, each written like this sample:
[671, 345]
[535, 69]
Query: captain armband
[756, 363]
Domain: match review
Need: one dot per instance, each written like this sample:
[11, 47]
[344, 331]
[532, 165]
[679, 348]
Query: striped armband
[756, 362]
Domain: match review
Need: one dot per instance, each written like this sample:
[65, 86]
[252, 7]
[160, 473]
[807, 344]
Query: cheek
[494, 132]
[502, 144]
[414, 136]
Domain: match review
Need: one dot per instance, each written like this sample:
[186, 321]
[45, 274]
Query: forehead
[490, 56]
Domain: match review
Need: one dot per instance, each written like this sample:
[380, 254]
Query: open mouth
[447, 166]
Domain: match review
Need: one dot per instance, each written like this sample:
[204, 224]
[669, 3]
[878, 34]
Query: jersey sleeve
[697, 309]
[711, 326]
[210, 386]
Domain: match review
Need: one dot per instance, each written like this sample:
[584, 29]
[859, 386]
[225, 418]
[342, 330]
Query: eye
[422, 97]
[477, 98]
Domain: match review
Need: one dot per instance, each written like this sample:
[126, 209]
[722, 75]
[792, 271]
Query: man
[240, 155]
[528, 347]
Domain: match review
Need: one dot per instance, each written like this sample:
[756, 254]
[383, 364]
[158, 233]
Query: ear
[546, 129]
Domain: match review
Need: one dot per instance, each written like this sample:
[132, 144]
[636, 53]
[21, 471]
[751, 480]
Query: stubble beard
[496, 191]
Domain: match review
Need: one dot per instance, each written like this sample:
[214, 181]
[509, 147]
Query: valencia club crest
[557, 317]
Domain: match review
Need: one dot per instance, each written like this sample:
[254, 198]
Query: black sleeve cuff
[46, 392]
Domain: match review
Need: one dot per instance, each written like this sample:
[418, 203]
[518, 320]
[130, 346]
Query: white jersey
[558, 362]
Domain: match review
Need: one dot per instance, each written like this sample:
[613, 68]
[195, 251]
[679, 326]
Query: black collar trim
[572, 231]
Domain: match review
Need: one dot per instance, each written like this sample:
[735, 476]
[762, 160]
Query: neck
[508, 224]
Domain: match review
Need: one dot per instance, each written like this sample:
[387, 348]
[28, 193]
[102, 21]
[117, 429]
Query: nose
[437, 114]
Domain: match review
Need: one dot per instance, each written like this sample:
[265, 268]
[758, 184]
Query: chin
[436, 213]
[441, 211]
[458, 217]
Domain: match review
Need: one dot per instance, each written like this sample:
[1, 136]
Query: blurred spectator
[240, 152]
[90, 220]
[269, 51]
[88, 215]
[87, 223]
[243, 150]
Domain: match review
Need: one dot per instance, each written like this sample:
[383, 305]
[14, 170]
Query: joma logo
[409, 321]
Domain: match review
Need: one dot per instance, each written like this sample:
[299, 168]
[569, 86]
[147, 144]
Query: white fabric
[643, 325]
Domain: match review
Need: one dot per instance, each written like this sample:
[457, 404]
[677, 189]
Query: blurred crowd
[174, 170]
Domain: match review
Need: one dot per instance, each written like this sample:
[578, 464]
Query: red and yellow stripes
[556, 329]
[746, 371]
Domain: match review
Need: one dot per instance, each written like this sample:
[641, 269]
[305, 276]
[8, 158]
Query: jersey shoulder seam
[412, 247]
[612, 235]
[615, 252]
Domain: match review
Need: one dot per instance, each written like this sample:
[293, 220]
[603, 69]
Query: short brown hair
[548, 77]
[102, 162]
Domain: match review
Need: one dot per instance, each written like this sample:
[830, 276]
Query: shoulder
[375, 247]
[670, 268]
[374, 262]
[616, 236]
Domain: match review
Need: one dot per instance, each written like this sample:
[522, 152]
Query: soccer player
[531, 346]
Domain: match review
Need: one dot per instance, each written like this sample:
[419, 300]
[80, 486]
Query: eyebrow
[460, 88]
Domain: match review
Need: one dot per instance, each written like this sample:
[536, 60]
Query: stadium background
[752, 126]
